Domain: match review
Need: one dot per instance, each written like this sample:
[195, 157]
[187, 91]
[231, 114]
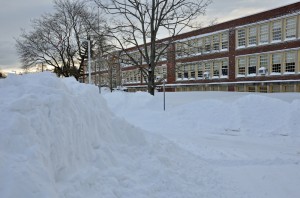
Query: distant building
[256, 53]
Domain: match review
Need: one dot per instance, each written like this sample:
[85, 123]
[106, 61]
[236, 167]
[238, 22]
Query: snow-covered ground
[62, 139]
[250, 140]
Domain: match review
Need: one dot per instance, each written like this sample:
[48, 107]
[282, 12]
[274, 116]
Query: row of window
[126, 61]
[271, 88]
[276, 63]
[277, 30]
[274, 31]
[135, 76]
[213, 43]
[202, 70]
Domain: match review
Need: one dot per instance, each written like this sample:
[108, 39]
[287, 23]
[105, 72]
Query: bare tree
[141, 24]
[56, 38]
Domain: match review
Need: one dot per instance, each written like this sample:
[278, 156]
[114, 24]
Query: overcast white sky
[17, 14]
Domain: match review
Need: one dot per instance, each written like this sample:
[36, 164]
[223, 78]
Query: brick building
[256, 53]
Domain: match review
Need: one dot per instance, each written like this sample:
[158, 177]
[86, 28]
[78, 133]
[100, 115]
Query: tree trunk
[151, 83]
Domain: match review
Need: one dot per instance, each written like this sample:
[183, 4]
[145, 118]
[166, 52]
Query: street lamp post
[89, 59]
[163, 79]
[164, 89]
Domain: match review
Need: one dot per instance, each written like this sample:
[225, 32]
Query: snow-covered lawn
[251, 140]
[61, 139]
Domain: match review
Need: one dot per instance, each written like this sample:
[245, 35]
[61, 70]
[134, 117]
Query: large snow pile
[59, 139]
[250, 114]
[251, 139]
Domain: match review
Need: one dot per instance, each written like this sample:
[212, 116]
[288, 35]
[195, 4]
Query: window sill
[289, 73]
[276, 41]
[265, 43]
[275, 74]
[290, 39]
[223, 77]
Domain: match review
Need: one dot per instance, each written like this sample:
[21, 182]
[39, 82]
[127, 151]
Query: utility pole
[99, 51]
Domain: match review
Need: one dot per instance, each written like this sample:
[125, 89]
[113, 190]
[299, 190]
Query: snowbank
[50, 128]
[251, 114]
[59, 139]
[250, 139]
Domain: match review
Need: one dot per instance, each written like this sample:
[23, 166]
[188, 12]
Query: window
[192, 67]
[193, 46]
[276, 63]
[216, 71]
[207, 67]
[224, 68]
[290, 28]
[207, 45]
[139, 78]
[216, 43]
[263, 89]
[224, 40]
[200, 70]
[263, 61]
[251, 89]
[241, 66]
[252, 36]
[252, 65]
[164, 70]
[160, 49]
[131, 77]
[185, 71]
[200, 47]
[290, 61]
[192, 71]
[193, 74]
[179, 49]
[264, 34]
[276, 31]
[179, 75]
[241, 38]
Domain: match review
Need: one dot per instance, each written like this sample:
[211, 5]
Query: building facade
[257, 53]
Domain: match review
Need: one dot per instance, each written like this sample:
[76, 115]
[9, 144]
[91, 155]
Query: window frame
[252, 36]
[200, 72]
[277, 31]
[224, 41]
[216, 42]
[241, 68]
[290, 62]
[290, 27]
[276, 63]
[224, 67]
[241, 38]
[264, 31]
[207, 44]
[216, 69]
[252, 65]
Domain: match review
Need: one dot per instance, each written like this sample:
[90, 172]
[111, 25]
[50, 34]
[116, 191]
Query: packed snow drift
[251, 139]
[62, 139]
[59, 139]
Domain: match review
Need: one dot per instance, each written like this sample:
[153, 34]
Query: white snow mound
[58, 139]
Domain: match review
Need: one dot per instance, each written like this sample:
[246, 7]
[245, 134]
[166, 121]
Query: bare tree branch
[139, 24]
[56, 38]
